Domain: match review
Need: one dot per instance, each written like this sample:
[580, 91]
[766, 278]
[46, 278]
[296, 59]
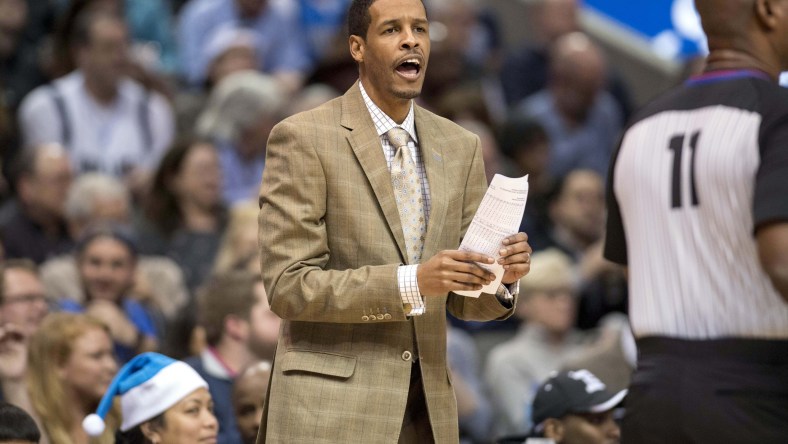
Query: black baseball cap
[574, 391]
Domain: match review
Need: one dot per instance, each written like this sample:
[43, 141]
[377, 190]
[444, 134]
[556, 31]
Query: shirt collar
[383, 123]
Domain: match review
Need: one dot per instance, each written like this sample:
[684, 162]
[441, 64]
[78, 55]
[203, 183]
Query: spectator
[13, 366]
[96, 199]
[108, 122]
[577, 211]
[582, 120]
[71, 364]
[229, 50]
[573, 407]
[322, 22]
[16, 426]
[152, 45]
[545, 341]
[240, 328]
[279, 42]
[473, 406]
[525, 142]
[183, 216]
[249, 390]
[493, 160]
[23, 299]
[163, 401]
[241, 111]
[34, 226]
[19, 69]
[525, 71]
[612, 356]
[106, 261]
[22, 309]
[238, 250]
[311, 96]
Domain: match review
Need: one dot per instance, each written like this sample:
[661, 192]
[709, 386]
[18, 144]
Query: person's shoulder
[325, 114]
[441, 124]
[773, 98]
[197, 9]
[536, 105]
[37, 100]
[196, 363]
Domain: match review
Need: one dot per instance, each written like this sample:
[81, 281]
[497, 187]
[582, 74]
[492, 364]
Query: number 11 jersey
[697, 172]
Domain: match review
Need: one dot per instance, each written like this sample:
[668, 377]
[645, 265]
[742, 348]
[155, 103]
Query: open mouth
[409, 68]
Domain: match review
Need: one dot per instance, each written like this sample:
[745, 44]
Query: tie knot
[398, 137]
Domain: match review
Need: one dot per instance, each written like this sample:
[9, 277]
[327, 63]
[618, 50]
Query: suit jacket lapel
[432, 156]
[366, 145]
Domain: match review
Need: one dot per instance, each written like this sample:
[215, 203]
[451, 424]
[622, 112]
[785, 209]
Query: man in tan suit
[362, 349]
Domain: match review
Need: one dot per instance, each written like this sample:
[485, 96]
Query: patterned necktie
[407, 192]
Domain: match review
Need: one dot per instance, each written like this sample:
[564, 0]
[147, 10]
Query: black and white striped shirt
[696, 174]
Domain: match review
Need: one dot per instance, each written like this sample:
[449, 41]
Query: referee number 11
[677, 146]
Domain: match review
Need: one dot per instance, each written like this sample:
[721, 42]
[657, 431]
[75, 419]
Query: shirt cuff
[412, 301]
[506, 292]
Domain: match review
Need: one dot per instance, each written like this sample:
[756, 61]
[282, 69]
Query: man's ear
[554, 429]
[768, 13]
[357, 47]
[236, 327]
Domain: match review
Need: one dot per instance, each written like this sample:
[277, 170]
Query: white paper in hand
[498, 216]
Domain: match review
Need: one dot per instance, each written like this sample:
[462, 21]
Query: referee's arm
[773, 252]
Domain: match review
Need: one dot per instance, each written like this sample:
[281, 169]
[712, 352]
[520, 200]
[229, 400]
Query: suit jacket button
[365, 318]
[380, 317]
[387, 316]
[406, 355]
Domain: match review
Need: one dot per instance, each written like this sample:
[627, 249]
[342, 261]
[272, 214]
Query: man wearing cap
[573, 407]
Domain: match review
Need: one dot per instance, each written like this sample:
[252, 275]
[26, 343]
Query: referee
[698, 211]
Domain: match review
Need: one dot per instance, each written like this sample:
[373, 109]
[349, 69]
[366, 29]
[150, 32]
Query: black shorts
[709, 391]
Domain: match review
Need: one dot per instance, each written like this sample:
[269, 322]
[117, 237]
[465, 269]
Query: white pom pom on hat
[93, 425]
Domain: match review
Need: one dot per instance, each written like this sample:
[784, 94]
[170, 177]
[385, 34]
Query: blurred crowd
[133, 137]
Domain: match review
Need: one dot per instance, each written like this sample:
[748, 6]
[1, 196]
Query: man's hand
[515, 258]
[453, 270]
[13, 353]
[121, 328]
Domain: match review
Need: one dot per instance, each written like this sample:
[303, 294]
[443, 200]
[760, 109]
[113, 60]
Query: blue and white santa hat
[147, 385]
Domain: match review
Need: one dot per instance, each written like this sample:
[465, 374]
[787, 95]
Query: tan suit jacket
[331, 243]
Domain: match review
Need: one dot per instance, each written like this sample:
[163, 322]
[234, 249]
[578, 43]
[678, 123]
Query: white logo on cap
[593, 384]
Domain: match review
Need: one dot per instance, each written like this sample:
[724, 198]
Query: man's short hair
[88, 189]
[358, 18]
[82, 32]
[16, 425]
[10, 264]
[225, 294]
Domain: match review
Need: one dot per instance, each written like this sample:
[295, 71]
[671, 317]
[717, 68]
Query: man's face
[107, 269]
[554, 309]
[105, 56]
[50, 181]
[251, 8]
[24, 300]
[581, 206]
[248, 400]
[393, 56]
[264, 325]
[590, 428]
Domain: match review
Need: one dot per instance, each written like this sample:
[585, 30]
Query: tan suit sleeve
[487, 306]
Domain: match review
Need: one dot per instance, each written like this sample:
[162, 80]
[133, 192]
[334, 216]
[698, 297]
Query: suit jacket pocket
[328, 364]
